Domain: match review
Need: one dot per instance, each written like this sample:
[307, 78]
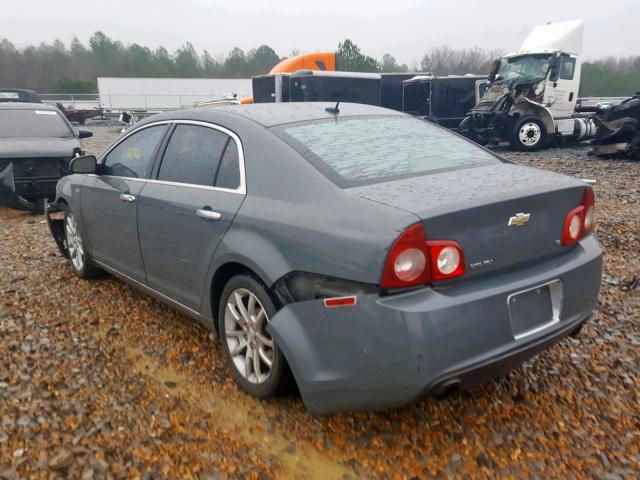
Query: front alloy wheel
[74, 242]
[250, 346]
[77, 253]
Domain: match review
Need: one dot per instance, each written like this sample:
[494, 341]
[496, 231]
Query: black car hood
[38, 147]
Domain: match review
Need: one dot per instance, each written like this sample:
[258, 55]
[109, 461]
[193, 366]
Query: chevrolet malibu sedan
[369, 256]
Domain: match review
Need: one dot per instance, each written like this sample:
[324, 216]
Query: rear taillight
[413, 260]
[589, 203]
[579, 221]
[407, 260]
[447, 260]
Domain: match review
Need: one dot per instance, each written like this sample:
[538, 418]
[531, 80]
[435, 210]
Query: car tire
[75, 246]
[245, 309]
[528, 134]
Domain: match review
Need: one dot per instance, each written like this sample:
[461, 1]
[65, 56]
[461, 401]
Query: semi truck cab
[533, 92]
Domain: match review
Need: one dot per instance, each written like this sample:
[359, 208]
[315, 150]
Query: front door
[562, 95]
[109, 201]
[186, 209]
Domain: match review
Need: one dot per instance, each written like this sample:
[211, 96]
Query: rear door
[187, 207]
[109, 201]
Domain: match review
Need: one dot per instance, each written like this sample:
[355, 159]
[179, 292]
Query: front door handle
[125, 197]
[208, 214]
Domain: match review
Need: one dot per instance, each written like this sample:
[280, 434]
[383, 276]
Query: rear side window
[196, 155]
[360, 150]
[133, 156]
[229, 170]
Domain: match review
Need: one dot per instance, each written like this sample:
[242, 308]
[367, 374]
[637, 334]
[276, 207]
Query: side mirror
[85, 164]
[495, 67]
[84, 134]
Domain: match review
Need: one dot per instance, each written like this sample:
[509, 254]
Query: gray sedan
[367, 256]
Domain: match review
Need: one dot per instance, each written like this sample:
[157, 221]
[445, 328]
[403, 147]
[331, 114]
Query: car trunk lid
[503, 216]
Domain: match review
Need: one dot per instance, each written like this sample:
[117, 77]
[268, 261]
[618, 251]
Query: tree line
[56, 68]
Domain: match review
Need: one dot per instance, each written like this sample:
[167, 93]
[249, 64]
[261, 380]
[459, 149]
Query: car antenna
[334, 110]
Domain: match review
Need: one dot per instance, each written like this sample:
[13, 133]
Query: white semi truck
[533, 92]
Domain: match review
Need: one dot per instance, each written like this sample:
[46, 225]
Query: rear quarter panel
[294, 219]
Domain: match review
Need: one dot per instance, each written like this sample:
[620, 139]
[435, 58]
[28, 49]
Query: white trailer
[157, 94]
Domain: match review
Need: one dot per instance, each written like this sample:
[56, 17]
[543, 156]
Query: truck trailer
[442, 100]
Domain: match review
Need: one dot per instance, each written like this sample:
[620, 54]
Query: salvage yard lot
[98, 380]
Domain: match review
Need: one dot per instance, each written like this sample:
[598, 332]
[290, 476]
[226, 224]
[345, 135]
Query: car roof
[26, 106]
[271, 114]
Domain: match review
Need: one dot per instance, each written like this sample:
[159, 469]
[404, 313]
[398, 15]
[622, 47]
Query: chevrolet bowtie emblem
[519, 219]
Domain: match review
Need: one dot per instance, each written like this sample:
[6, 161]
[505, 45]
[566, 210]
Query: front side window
[133, 156]
[567, 67]
[33, 124]
[355, 151]
[193, 155]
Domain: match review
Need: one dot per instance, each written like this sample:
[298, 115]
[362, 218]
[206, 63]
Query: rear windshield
[363, 150]
[33, 124]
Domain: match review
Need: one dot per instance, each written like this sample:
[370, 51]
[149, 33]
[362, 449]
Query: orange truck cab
[307, 61]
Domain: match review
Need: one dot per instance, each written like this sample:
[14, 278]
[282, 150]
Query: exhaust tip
[447, 387]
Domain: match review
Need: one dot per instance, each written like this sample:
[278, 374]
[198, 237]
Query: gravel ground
[100, 381]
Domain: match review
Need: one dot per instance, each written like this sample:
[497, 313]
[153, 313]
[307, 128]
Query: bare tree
[444, 60]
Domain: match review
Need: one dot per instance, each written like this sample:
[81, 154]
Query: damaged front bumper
[388, 351]
[8, 195]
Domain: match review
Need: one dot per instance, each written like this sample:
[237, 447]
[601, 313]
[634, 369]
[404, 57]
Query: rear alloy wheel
[528, 134]
[76, 252]
[254, 359]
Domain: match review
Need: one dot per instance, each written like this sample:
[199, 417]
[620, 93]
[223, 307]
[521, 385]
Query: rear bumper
[389, 351]
[490, 368]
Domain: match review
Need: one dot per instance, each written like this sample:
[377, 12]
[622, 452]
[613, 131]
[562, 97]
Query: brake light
[447, 259]
[580, 220]
[589, 203]
[407, 260]
[413, 260]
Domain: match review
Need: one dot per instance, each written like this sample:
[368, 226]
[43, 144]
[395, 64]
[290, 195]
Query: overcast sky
[404, 28]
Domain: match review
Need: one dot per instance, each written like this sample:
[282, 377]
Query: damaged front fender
[55, 219]
[525, 107]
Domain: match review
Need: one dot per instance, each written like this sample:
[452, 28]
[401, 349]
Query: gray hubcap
[74, 243]
[250, 346]
[530, 134]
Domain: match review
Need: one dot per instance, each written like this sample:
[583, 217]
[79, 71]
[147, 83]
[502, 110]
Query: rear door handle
[125, 197]
[208, 214]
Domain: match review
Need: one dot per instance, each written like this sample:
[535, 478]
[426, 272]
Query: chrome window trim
[103, 157]
[242, 188]
[201, 187]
